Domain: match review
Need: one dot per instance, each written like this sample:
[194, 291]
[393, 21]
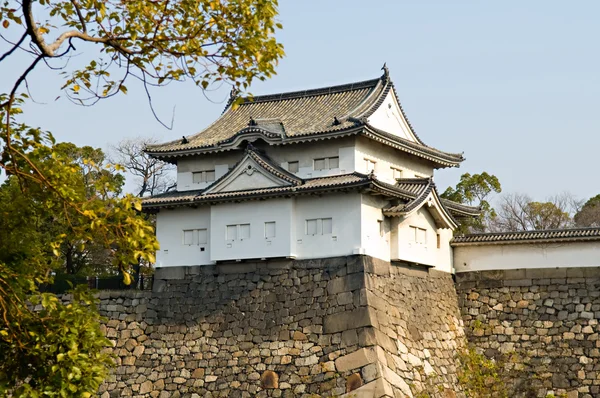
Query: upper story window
[327, 163]
[380, 227]
[193, 237]
[293, 167]
[419, 235]
[396, 172]
[370, 165]
[238, 232]
[269, 229]
[203, 176]
[319, 226]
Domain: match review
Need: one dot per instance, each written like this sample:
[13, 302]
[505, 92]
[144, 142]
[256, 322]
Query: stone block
[236, 268]
[169, 273]
[518, 282]
[375, 389]
[349, 320]
[346, 283]
[356, 359]
[376, 266]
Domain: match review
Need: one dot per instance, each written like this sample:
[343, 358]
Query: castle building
[318, 173]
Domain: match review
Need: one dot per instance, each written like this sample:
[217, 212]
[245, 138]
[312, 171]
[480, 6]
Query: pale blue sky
[513, 84]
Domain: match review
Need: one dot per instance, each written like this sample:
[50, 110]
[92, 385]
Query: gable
[390, 118]
[248, 174]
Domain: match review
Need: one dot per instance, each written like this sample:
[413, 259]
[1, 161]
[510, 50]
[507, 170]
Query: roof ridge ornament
[233, 94]
[386, 72]
[252, 122]
[184, 140]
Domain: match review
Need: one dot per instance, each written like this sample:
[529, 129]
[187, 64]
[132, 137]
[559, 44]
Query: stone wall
[546, 319]
[348, 326]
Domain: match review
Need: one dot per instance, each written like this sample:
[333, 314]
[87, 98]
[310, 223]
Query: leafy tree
[474, 190]
[518, 212]
[55, 349]
[589, 214]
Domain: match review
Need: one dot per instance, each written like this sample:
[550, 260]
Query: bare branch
[15, 46]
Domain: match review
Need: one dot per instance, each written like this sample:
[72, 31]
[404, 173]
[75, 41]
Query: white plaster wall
[513, 256]
[388, 117]
[404, 248]
[373, 243]
[169, 232]
[220, 162]
[255, 213]
[387, 157]
[305, 153]
[345, 210]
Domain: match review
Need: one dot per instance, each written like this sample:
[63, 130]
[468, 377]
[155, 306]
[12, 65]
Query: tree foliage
[589, 214]
[475, 190]
[27, 222]
[518, 212]
[55, 349]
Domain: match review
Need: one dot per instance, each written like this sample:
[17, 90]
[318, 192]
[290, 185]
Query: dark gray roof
[300, 112]
[333, 183]
[537, 236]
[303, 115]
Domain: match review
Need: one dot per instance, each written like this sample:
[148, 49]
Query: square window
[197, 177]
[397, 173]
[327, 226]
[334, 162]
[202, 236]
[270, 229]
[244, 231]
[311, 227]
[293, 167]
[319, 164]
[370, 165]
[210, 175]
[231, 232]
[188, 237]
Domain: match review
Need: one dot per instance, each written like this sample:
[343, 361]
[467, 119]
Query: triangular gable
[389, 117]
[252, 172]
[432, 202]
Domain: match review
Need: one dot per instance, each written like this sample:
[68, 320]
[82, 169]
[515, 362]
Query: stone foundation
[547, 317]
[309, 328]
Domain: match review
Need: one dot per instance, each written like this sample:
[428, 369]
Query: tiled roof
[537, 236]
[300, 113]
[303, 116]
[460, 210]
[339, 182]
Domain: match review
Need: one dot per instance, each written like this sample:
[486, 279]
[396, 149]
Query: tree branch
[16, 45]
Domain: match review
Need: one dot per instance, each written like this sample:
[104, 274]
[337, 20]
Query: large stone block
[341, 321]
[170, 273]
[346, 283]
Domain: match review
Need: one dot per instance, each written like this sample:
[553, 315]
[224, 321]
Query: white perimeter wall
[512, 256]
[345, 239]
[387, 157]
[169, 232]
